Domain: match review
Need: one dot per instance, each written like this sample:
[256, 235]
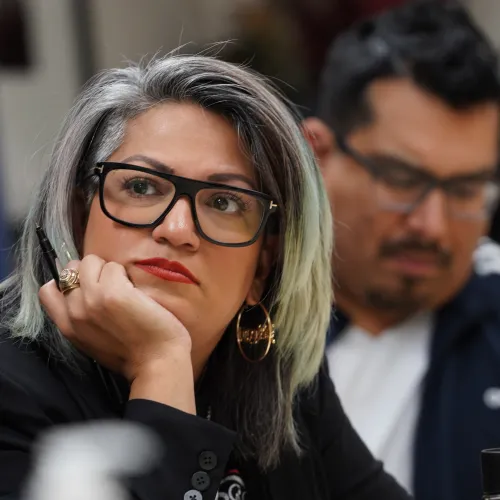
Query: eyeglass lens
[472, 199]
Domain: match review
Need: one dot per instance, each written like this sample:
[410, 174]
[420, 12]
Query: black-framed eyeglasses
[402, 188]
[142, 197]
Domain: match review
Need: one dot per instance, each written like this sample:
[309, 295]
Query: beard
[404, 299]
[407, 296]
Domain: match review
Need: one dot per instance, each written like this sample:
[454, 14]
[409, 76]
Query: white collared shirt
[379, 379]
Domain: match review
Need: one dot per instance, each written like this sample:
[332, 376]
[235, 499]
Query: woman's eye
[226, 203]
[141, 187]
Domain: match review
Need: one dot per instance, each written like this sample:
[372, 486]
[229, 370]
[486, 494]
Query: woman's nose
[178, 227]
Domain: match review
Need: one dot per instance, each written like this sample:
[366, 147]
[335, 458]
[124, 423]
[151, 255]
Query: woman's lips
[168, 270]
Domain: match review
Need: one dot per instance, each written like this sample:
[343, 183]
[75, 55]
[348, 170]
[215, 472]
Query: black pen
[48, 253]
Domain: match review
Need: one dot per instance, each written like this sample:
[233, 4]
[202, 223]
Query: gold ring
[69, 279]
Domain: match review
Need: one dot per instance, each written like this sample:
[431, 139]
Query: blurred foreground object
[90, 461]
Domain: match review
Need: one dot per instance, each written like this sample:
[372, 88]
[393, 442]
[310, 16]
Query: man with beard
[406, 135]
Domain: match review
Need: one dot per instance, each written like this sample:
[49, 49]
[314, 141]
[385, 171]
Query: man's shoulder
[481, 294]
[486, 259]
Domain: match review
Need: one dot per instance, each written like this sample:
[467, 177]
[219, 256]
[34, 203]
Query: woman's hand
[119, 326]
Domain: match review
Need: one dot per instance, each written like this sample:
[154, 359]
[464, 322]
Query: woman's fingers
[54, 304]
[90, 269]
[91, 295]
[110, 320]
[114, 275]
[73, 298]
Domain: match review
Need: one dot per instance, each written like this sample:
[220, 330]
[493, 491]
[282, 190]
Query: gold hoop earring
[255, 339]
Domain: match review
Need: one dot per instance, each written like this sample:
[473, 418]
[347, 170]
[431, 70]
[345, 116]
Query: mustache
[432, 249]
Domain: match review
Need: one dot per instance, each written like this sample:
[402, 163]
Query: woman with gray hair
[198, 297]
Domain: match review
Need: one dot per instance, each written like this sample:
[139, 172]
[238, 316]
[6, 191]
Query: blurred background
[49, 48]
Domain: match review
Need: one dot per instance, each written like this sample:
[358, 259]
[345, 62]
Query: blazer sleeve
[349, 467]
[195, 450]
[195, 453]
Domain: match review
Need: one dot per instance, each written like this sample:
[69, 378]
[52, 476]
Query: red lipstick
[168, 270]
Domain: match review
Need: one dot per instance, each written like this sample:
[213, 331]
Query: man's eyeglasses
[402, 188]
[141, 197]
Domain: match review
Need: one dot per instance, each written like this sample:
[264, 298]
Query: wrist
[166, 379]
[162, 363]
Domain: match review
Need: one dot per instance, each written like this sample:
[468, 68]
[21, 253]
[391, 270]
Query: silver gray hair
[300, 296]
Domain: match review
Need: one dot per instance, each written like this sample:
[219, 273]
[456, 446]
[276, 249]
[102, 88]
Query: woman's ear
[266, 261]
[320, 138]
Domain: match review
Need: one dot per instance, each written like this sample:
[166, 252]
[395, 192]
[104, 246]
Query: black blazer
[37, 393]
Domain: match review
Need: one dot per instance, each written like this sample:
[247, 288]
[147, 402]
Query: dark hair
[435, 44]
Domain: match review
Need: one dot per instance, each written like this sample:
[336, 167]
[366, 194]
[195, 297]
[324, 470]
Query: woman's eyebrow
[221, 177]
[229, 176]
[157, 165]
